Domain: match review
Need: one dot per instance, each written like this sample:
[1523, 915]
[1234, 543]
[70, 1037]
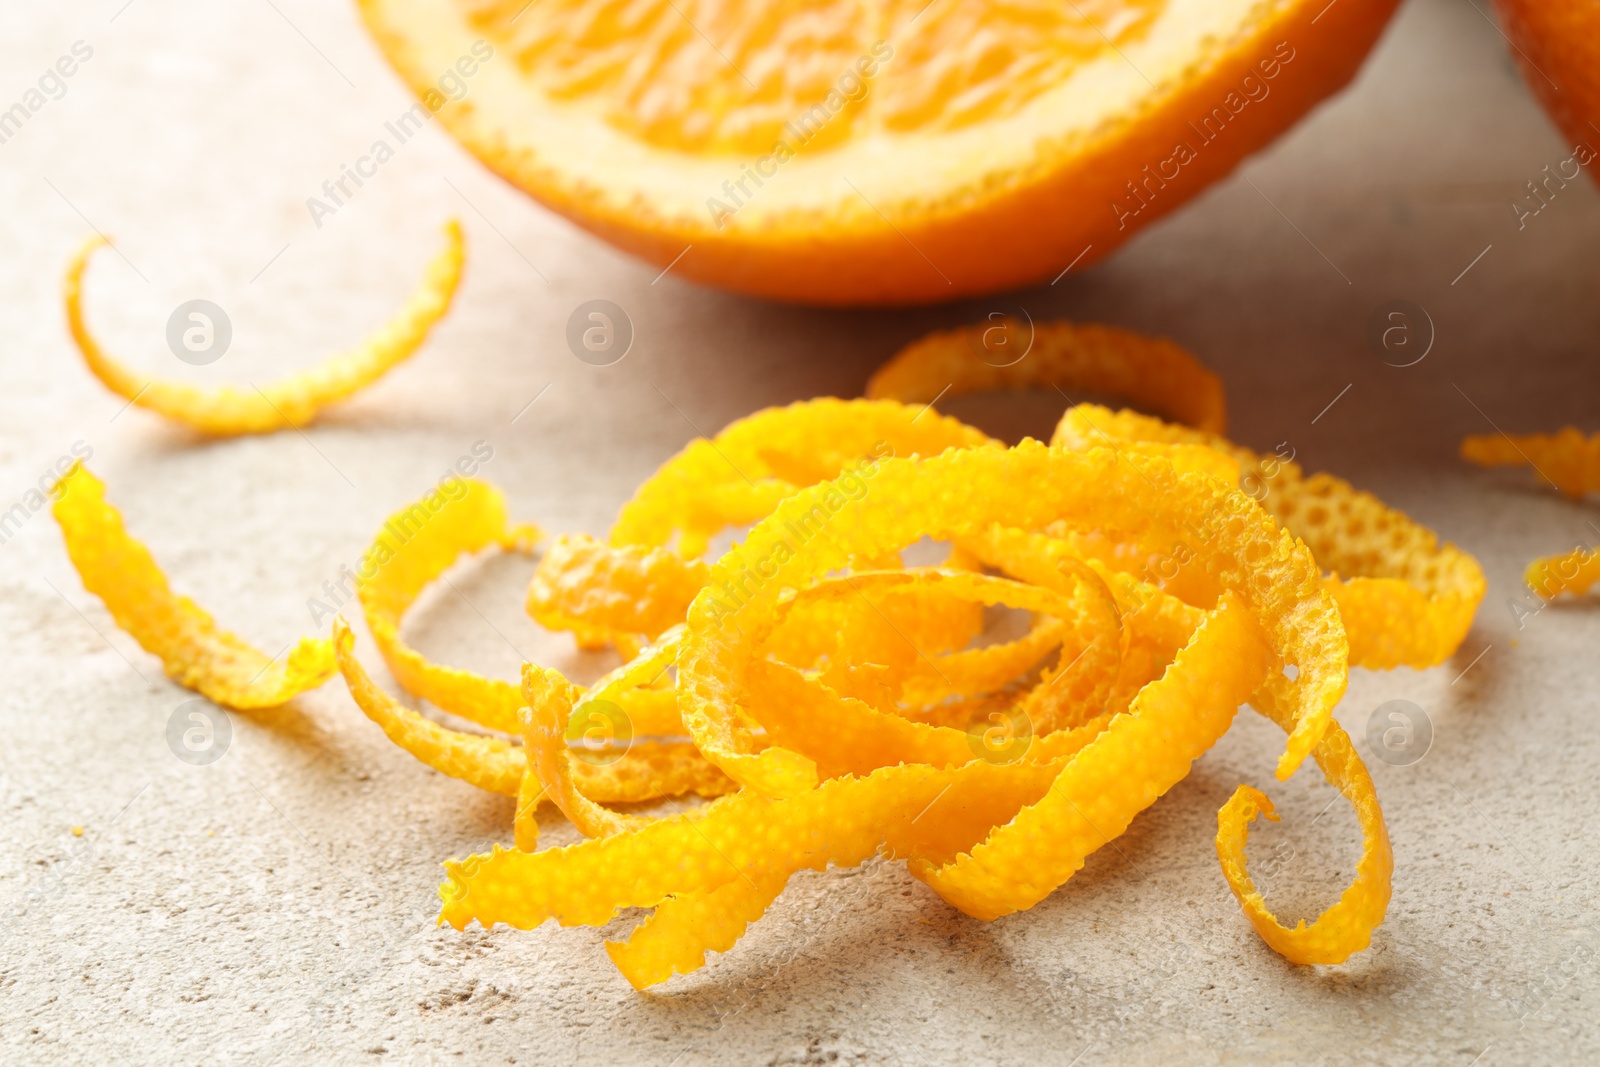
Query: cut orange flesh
[847, 152]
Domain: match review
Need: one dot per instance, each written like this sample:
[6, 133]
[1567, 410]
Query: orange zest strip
[1011, 353]
[1346, 927]
[195, 652]
[1569, 460]
[291, 402]
[646, 770]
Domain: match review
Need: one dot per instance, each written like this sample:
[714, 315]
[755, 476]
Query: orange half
[851, 152]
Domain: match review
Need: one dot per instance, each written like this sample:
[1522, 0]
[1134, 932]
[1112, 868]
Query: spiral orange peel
[831, 778]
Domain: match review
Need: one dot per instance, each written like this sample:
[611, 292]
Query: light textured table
[277, 904]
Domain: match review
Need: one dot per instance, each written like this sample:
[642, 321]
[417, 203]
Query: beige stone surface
[276, 905]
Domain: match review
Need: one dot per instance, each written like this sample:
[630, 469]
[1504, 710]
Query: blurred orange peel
[290, 402]
[195, 652]
[1570, 462]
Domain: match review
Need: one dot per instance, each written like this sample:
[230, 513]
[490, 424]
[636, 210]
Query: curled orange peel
[992, 835]
[293, 401]
[416, 545]
[738, 476]
[194, 651]
[1011, 353]
[1274, 576]
[645, 770]
[1569, 459]
[1346, 927]
[1406, 599]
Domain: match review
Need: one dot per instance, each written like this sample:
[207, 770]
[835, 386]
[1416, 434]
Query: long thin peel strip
[1346, 927]
[490, 763]
[1148, 371]
[1569, 459]
[738, 476]
[290, 402]
[194, 651]
[843, 821]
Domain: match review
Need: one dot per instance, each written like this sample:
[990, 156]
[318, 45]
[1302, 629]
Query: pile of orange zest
[842, 701]
[195, 652]
[293, 401]
[993, 816]
[1009, 353]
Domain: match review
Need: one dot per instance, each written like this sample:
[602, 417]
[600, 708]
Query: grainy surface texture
[276, 905]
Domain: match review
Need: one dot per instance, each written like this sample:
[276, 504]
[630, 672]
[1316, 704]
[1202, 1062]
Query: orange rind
[290, 402]
[195, 652]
